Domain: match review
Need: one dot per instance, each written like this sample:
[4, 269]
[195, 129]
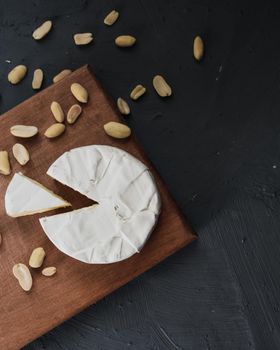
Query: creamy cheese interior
[126, 213]
[25, 196]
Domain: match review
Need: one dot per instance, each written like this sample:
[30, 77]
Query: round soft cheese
[127, 210]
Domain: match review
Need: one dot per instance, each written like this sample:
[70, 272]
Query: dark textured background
[216, 144]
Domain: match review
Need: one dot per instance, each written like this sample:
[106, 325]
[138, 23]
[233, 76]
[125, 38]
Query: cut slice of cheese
[127, 210]
[25, 196]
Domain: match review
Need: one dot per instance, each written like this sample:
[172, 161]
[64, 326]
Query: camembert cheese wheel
[127, 209]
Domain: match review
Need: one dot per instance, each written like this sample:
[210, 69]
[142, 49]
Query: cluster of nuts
[22, 272]
[20, 152]
[123, 41]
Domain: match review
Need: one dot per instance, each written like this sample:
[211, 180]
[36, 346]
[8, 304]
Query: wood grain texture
[25, 316]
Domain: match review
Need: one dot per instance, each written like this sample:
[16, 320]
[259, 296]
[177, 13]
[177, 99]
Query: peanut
[79, 92]
[37, 79]
[17, 74]
[117, 130]
[42, 31]
[5, 168]
[73, 113]
[23, 275]
[37, 257]
[57, 112]
[21, 154]
[111, 18]
[55, 130]
[125, 40]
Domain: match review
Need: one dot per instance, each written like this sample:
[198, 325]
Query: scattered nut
[61, 75]
[83, 38]
[117, 130]
[17, 74]
[42, 31]
[55, 130]
[37, 257]
[137, 92]
[21, 154]
[161, 86]
[24, 131]
[57, 112]
[23, 275]
[49, 271]
[123, 106]
[5, 168]
[37, 79]
[73, 113]
[198, 48]
[79, 92]
[111, 18]
[125, 41]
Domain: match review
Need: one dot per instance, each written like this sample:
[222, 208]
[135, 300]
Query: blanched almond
[117, 130]
[61, 75]
[57, 112]
[83, 38]
[55, 130]
[137, 92]
[5, 168]
[37, 257]
[17, 74]
[79, 92]
[198, 48]
[37, 79]
[73, 113]
[111, 18]
[24, 131]
[161, 86]
[21, 154]
[123, 106]
[42, 31]
[125, 41]
[49, 271]
[23, 275]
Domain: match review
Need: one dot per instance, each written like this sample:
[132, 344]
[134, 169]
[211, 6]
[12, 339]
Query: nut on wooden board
[21, 153]
[5, 167]
[24, 131]
[74, 113]
[79, 92]
[55, 130]
[37, 257]
[23, 275]
[61, 75]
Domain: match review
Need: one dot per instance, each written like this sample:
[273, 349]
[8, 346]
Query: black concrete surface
[216, 144]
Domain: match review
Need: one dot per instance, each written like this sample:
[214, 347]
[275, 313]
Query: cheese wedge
[25, 196]
[127, 210]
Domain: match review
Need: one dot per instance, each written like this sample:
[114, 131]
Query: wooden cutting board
[26, 316]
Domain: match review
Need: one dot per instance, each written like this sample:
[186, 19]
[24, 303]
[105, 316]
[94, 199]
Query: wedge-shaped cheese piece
[25, 196]
[127, 210]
